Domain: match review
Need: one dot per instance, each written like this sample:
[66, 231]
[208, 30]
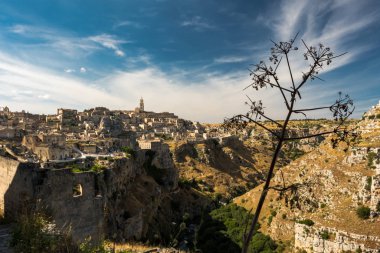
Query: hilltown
[99, 132]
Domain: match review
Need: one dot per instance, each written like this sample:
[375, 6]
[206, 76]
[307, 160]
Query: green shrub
[367, 187]
[222, 231]
[87, 247]
[370, 158]
[97, 168]
[363, 212]
[306, 222]
[32, 235]
[186, 183]
[129, 151]
[325, 235]
[295, 153]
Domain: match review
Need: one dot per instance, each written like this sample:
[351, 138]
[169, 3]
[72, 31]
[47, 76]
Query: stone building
[48, 147]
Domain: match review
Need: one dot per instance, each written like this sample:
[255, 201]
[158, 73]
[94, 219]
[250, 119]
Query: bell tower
[141, 104]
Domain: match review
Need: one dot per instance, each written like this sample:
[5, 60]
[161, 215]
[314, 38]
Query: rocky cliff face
[135, 198]
[325, 189]
[227, 167]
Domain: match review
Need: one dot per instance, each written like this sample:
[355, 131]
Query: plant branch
[241, 116]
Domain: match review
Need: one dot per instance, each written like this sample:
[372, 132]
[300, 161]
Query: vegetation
[325, 235]
[222, 230]
[368, 185]
[186, 183]
[306, 222]
[363, 212]
[130, 152]
[295, 153]
[371, 156]
[77, 168]
[34, 233]
[97, 168]
[264, 75]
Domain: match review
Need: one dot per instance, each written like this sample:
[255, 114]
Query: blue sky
[189, 57]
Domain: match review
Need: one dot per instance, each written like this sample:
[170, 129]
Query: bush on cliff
[34, 233]
[222, 231]
[363, 212]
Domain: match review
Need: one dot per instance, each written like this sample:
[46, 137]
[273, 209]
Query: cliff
[320, 212]
[131, 199]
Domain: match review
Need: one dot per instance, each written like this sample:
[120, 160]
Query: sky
[190, 57]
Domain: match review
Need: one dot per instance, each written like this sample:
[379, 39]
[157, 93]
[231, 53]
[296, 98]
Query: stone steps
[5, 237]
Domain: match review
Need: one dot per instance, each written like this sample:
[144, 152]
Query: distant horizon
[191, 56]
[53, 112]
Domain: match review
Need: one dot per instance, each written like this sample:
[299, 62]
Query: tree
[265, 76]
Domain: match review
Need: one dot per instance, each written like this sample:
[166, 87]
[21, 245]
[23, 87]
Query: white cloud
[68, 43]
[44, 96]
[205, 101]
[198, 23]
[230, 59]
[211, 100]
[119, 53]
[83, 70]
[129, 24]
[109, 41]
[69, 70]
[30, 86]
[334, 23]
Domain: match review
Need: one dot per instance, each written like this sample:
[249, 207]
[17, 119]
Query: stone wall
[8, 168]
[120, 203]
[24, 186]
[309, 238]
[80, 214]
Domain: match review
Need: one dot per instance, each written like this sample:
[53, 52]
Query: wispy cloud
[69, 43]
[69, 70]
[25, 86]
[198, 23]
[109, 41]
[128, 23]
[334, 23]
[230, 59]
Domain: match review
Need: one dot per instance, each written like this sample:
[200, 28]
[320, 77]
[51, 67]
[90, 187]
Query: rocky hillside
[333, 199]
[229, 167]
[226, 167]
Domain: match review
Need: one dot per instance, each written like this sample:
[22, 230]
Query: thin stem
[268, 179]
[290, 70]
[312, 109]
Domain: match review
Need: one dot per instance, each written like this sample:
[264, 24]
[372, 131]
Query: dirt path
[5, 236]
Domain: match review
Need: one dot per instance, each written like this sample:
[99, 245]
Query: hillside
[231, 166]
[332, 188]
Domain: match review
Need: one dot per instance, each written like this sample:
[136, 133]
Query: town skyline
[177, 55]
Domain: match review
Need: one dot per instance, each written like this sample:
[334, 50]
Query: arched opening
[77, 190]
